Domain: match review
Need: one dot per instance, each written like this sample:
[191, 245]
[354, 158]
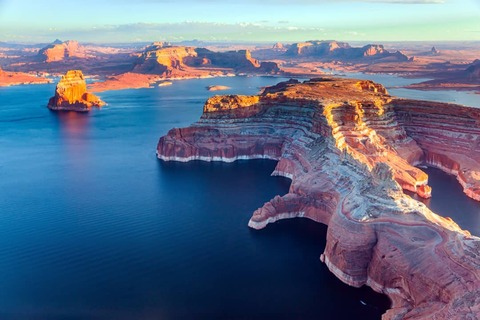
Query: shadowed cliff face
[349, 149]
[71, 94]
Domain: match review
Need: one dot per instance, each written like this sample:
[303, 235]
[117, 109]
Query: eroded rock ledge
[349, 149]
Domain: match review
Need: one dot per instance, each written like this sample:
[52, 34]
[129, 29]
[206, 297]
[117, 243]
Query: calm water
[394, 83]
[449, 200]
[93, 226]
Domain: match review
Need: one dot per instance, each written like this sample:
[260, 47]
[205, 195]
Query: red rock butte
[349, 149]
[71, 94]
[58, 51]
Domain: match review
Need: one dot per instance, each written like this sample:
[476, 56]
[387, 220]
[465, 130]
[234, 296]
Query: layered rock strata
[180, 61]
[58, 51]
[343, 51]
[349, 149]
[71, 94]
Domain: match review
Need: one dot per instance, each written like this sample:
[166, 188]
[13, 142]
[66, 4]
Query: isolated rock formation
[342, 51]
[434, 51]
[278, 46]
[349, 149]
[71, 94]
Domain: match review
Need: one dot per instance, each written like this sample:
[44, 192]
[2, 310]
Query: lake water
[93, 226]
[395, 83]
[449, 200]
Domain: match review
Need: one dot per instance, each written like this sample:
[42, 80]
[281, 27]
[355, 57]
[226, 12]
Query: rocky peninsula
[349, 149]
[17, 78]
[71, 94]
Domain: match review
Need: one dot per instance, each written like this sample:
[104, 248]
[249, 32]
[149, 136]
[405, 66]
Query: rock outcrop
[179, 61]
[349, 149]
[71, 94]
[8, 78]
[331, 50]
[58, 51]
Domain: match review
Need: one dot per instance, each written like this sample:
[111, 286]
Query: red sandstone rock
[179, 61]
[71, 94]
[349, 149]
[58, 51]
[16, 78]
[129, 80]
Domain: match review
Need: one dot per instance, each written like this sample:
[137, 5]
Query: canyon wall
[350, 149]
[178, 61]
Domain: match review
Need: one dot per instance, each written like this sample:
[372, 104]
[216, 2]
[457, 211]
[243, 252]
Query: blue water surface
[93, 226]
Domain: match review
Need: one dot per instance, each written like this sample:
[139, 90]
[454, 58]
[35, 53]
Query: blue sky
[238, 20]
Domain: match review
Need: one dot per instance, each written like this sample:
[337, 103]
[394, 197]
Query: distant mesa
[473, 71]
[279, 47]
[315, 48]
[71, 94]
[217, 88]
[58, 51]
[342, 50]
[434, 51]
[178, 61]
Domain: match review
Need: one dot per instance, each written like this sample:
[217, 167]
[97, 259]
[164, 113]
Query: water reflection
[73, 125]
[74, 138]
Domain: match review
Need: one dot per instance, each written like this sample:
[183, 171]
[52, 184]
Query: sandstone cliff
[71, 94]
[177, 61]
[342, 51]
[349, 149]
[58, 51]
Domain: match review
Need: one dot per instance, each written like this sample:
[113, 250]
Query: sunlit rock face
[71, 94]
[350, 148]
[177, 61]
[58, 51]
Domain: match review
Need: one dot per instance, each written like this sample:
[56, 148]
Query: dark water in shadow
[93, 226]
[448, 200]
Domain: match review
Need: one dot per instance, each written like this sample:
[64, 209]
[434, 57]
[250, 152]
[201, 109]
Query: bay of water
[448, 200]
[394, 85]
[93, 226]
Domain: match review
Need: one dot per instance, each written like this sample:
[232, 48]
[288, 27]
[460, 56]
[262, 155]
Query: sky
[120, 21]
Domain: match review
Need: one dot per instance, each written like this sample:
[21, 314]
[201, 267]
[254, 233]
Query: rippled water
[93, 226]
